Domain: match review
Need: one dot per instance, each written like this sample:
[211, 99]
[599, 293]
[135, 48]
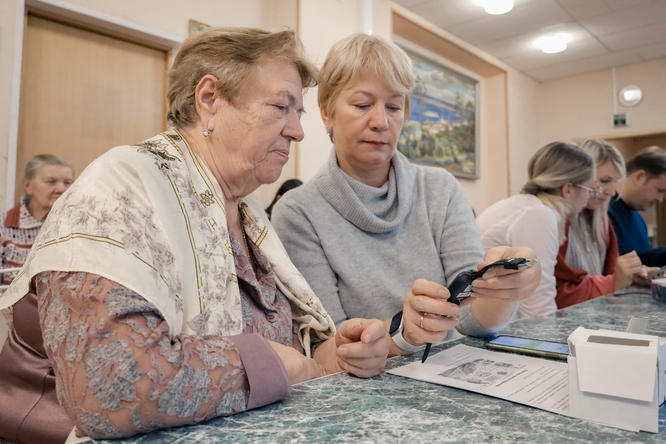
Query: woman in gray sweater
[374, 234]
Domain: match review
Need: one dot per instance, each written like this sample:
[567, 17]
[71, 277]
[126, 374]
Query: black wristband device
[395, 322]
[461, 287]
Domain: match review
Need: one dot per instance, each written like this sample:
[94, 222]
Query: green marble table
[391, 409]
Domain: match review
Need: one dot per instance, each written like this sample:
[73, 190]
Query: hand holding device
[628, 268]
[424, 297]
[461, 287]
[656, 274]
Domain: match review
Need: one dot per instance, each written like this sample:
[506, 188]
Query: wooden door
[83, 93]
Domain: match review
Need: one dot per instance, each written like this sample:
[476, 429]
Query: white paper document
[536, 382]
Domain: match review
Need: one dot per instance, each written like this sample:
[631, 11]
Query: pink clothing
[29, 410]
[18, 230]
[119, 372]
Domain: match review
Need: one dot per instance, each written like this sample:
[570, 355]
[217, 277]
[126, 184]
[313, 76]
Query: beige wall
[173, 15]
[582, 106]
[523, 111]
[493, 184]
[321, 23]
[9, 16]
[517, 116]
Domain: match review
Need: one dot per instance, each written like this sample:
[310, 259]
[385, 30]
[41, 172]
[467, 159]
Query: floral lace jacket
[119, 372]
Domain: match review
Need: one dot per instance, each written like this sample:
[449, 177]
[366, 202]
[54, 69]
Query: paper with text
[536, 382]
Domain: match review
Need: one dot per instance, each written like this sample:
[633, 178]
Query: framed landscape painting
[442, 129]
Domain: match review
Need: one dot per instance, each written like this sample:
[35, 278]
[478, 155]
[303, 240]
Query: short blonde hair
[553, 166]
[232, 56]
[361, 54]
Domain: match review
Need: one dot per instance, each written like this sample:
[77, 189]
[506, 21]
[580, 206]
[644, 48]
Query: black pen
[426, 352]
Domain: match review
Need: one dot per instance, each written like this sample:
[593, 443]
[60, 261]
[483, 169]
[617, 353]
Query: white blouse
[524, 221]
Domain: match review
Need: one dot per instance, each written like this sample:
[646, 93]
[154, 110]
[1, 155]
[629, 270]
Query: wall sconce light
[630, 95]
[495, 7]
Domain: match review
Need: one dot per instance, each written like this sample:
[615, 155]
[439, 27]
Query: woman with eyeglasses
[588, 263]
[560, 182]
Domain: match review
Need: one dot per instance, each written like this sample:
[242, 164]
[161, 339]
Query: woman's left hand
[362, 346]
[510, 285]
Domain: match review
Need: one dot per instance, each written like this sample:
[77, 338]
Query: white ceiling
[605, 33]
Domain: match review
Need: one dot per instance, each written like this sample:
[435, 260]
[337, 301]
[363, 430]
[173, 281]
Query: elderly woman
[559, 186]
[164, 295]
[588, 262]
[377, 236]
[45, 178]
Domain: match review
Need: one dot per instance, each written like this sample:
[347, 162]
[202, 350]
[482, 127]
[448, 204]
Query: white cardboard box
[616, 378]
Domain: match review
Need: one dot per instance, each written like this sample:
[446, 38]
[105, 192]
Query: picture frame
[443, 128]
[196, 27]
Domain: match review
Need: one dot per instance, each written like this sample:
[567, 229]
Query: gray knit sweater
[362, 247]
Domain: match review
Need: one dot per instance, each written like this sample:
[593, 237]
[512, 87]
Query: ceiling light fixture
[553, 43]
[495, 7]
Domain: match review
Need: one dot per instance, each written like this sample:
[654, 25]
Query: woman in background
[286, 186]
[45, 178]
[560, 181]
[588, 262]
[378, 236]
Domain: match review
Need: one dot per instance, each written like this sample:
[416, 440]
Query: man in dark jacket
[644, 187]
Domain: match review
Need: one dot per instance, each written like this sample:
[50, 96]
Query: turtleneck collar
[376, 210]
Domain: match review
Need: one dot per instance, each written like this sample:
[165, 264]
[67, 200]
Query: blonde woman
[588, 263]
[560, 181]
[376, 235]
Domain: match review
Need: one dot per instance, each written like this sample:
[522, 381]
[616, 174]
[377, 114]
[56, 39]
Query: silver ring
[421, 321]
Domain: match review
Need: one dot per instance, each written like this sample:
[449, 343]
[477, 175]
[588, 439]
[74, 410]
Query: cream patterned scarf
[151, 217]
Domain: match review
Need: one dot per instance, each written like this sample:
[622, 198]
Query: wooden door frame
[78, 16]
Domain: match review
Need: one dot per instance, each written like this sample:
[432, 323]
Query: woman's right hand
[299, 367]
[626, 267]
[642, 278]
[430, 300]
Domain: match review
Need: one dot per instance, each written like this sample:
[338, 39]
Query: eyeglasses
[594, 193]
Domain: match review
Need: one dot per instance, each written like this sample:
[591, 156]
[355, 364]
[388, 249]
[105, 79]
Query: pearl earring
[206, 133]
